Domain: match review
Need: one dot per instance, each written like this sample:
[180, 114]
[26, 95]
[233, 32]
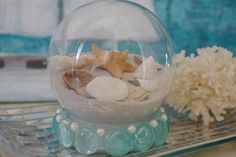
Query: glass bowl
[110, 66]
[111, 60]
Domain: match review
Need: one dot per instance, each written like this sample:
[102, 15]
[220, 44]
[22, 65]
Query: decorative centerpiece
[110, 66]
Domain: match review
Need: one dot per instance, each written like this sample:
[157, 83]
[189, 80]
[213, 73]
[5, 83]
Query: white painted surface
[20, 84]
[25, 85]
[38, 17]
[32, 17]
[70, 5]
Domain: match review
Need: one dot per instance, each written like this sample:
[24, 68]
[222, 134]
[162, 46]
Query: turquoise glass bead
[118, 142]
[157, 115]
[64, 134]
[144, 138]
[54, 124]
[168, 123]
[162, 131]
[86, 141]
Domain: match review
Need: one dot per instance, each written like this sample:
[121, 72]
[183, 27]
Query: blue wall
[199, 23]
[23, 45]
[191, 24]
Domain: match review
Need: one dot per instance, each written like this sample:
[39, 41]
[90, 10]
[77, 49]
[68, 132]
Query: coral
[205, 85]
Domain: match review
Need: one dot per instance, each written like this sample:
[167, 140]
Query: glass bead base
[113, 137]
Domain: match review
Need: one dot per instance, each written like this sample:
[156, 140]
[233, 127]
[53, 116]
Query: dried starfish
[114, 62]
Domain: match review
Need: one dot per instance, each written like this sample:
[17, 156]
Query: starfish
[114, 62]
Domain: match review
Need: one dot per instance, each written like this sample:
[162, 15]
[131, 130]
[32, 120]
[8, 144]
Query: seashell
[148, 69]
[107, 88]
[134, 82]
[149, 85]
[81, 91]
[138, 60]
[76, 78]
[138, 95]
[130, 80]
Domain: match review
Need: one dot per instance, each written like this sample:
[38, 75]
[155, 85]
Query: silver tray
[26, 128]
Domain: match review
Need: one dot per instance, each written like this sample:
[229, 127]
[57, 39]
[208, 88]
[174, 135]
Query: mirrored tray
[26, 128]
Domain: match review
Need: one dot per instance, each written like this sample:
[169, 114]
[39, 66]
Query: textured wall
[199, 23]
[29, 17]
[26, 25]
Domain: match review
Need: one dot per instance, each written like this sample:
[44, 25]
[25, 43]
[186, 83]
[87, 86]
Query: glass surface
[111, 60]
[26, 129]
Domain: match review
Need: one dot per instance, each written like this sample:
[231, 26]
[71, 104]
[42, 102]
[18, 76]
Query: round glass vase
[110, 67]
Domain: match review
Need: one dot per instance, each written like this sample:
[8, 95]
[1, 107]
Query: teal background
[23, 45]
[191, 24]
[194, 24]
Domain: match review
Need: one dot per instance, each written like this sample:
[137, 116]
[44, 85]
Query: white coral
[205, 85]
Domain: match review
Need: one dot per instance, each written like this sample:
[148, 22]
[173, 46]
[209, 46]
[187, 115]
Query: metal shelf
[26, 128]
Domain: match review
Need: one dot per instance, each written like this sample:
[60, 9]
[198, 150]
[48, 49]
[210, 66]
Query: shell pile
[143, 75]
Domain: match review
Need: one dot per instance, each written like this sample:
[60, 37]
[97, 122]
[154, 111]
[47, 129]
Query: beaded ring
[88, 138]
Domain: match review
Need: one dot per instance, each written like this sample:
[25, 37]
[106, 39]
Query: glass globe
[111, 60]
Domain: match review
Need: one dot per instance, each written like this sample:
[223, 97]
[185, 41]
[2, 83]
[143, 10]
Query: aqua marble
[64, 134]
[157, 115]
[54, 123]
[86, 141]
[118, 142]
[144, 138]
[161, 132]
[168, 123]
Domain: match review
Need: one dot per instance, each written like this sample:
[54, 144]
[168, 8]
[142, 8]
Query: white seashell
[107, 88]
[138, 95]
[148, 69]
[148, 84]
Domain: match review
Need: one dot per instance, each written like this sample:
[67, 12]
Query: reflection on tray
[27, 126]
